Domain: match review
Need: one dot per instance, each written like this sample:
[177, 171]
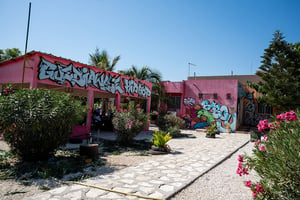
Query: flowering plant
[7, 90]
[129, 122]
[276, 160]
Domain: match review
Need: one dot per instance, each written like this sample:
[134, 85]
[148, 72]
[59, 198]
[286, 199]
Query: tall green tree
[9, 53]
[101, 60]
[280, 72]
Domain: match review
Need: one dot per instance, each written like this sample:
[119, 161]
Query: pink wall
[173, 87]
[218, 98]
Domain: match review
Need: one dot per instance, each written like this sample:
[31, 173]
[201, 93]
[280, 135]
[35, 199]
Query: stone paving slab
[159, 177]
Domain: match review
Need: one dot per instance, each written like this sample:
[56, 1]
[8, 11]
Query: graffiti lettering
[189, 102]
[219, 112]
[83, 77]
[132, 87]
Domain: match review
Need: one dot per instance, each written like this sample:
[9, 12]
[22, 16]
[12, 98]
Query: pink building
[55, 73]
[225, 100]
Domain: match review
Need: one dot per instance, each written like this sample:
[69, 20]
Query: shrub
[129, 122]
[153, 115]
[276, 159]
[36, 122]
[170, 123]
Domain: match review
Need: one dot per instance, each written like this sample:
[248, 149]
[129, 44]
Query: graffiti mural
[189, 101]
[86, 77]
[132, 87]
[221, 114]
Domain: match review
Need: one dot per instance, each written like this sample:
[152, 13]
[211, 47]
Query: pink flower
[254, 194]
[291, 116]
[131, 122]
[141, 123]
[257, 142]
[248, 183]
[125, 110]
[138, 105]
[241, 158]
[138, 109]
[280, 117]
[263, 125]
[266, 138]
[239, 171]
[128, 125]
[259, 188]
[245, 171]
[261, 148]
[121, 110]
[156, 113]
[129, 110]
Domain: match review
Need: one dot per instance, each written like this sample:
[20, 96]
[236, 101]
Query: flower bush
[129, 122]
[276, 159]
[35, 122]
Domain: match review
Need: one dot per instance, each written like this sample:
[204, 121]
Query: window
[265, 109]
[174, 102]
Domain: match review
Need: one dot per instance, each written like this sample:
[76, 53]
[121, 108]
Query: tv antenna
[190, 64]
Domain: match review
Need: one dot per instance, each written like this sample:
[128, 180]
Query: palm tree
[147, 74]
[8, 54]
[101, 60]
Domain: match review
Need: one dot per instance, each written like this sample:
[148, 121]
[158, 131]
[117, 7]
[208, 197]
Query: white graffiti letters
[83, 77]
[86, 77]
[132, 87]
[189, 102]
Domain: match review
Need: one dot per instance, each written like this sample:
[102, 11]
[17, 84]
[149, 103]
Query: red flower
[131, 122]
[266, 138]
[261, 148]
[128, 125]
[259, 188]
[241, 158]
[125, 110]
[257, 142]
[248, 183]
[138, 105]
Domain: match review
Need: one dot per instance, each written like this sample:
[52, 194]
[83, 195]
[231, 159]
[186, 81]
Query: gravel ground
[221, 183]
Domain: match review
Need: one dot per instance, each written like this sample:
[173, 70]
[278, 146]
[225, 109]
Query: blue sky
[219, 36]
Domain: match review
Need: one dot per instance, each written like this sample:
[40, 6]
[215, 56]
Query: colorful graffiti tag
[86, 77]
[208, 112]
[220, 113]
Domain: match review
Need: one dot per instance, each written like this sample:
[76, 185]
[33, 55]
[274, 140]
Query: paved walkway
[158, 178]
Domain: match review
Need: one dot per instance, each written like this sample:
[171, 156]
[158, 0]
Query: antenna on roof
[190, 64]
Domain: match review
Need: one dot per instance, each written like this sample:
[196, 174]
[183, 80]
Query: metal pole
[26, 44]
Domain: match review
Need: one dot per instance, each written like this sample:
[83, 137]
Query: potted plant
[211, 131]
[160, 140]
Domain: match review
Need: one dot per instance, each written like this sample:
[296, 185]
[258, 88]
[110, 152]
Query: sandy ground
[16, 190]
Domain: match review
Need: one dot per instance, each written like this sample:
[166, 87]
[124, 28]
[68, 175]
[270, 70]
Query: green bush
[165, 122]
[275, 159]
[36, 122]
[129, 122]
